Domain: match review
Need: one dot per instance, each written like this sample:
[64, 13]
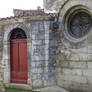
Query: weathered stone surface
[52, 89]
[37, 83]
[78, 64]
[54, 57]
[89, 65]
[89, 80]
[52, 6]
[87, 72]
[77, 72]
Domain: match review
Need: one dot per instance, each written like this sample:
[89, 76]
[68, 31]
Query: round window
[79, 24]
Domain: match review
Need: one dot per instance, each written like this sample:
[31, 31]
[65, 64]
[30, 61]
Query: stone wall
[1, 54]
[54, 58]
[74, 68]
[40, 45]
[53, 5]
[42, 64]
[74, 56]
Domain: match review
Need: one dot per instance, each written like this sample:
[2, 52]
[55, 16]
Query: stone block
[60, 60]
[38, 52]
[65, 63]
[89, 80]
[47, 36]
[6, 53]
[38, 57]
[89, 65]
[58, 69]
[75, 57]
[46, 69]
[37, 83]
[38, 42]
[45, 77]
[79, 79]
[77, 72]
[62, 82]
[87, 72]
[46, 41]
[40, 36]
[49, 79]
[35, 76]
[79, 51]
[46, 57]
[33, 36]
[77, 64]
[51, 82]
[90, 49]
[33, 64]
[66, 71]
[37, 70]
[77, 87]
[89, 4]
[46, 83]
[33, 70]
[40, 63]
[89, 56]
[72, 78]
[84, 57]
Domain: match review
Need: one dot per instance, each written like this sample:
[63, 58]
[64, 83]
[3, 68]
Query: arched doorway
[18, 56]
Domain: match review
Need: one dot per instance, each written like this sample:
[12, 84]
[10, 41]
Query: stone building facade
[74, 43]
[36, 26]
[59, 46]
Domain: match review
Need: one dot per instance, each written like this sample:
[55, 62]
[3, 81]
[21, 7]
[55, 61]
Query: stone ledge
[18, 86]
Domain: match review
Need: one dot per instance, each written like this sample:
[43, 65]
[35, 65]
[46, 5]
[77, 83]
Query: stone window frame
[6, 55]
[66, 21]
[75, 16]
[64, 11]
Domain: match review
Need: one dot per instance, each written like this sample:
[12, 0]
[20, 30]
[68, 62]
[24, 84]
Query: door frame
[6, 53]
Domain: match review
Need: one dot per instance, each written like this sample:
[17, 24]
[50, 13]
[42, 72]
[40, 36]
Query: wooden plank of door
[23, 61]
[14, 60]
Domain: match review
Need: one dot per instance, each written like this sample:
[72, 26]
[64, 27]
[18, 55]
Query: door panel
[23, 56]
[14, 57]
[19, 61]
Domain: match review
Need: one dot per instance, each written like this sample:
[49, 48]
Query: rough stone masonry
[40, 48]
[73, 43]
[55, 57]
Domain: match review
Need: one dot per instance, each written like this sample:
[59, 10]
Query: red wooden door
[18, 50]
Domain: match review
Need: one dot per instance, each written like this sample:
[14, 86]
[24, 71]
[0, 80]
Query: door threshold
[18, 86]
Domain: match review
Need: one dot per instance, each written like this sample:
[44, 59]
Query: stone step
[51, 89]
[47, 89]
[17, 90]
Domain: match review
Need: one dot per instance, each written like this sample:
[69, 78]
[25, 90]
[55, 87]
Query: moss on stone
[9, 89]
[76, 90]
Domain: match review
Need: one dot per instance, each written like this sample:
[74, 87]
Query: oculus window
[79, 24]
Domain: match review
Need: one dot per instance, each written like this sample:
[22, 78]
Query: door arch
[18, 57]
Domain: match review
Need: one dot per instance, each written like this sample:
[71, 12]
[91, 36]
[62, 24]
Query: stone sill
[18, 86]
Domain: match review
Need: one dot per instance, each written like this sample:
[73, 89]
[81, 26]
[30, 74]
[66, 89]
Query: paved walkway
[51, 89]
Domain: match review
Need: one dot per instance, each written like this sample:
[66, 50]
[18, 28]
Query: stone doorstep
[18, 86]
[50, 89]
[27, 88]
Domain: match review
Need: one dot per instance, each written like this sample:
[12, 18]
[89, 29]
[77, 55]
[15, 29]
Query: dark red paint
[18, 52]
